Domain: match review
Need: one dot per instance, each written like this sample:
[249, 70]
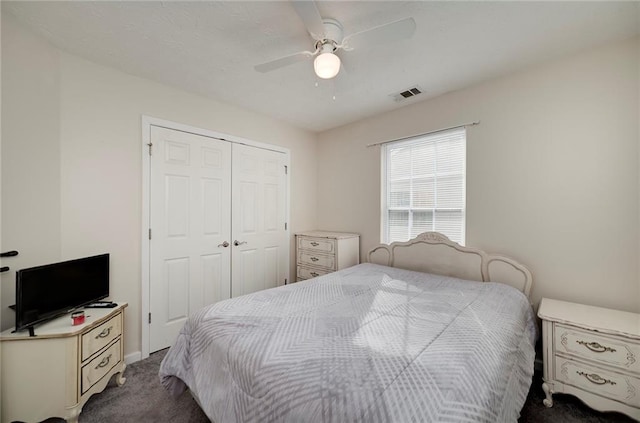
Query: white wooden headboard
[432, 252]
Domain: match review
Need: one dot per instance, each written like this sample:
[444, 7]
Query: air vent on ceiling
[408, 93]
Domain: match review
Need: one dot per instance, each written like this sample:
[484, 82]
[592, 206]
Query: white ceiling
[211, 47]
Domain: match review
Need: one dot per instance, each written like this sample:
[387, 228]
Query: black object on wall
[11, 253]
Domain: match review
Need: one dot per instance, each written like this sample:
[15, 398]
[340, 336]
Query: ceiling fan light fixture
[326, 65]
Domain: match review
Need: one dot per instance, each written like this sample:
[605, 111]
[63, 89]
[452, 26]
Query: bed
[427, 330]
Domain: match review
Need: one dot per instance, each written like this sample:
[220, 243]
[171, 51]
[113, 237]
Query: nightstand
[592, 353]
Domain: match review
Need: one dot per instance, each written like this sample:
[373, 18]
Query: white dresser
[322, 252]
[54, 373]
[592, 353]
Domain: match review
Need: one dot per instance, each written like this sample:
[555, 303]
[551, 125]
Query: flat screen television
[48, 291]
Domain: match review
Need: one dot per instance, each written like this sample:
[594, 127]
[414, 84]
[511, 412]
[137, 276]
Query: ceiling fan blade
[394, 31]
[283, 61]
[308, 12]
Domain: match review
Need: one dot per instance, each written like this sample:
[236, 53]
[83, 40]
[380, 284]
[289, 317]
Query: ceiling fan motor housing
[327, 64]
[333, 35]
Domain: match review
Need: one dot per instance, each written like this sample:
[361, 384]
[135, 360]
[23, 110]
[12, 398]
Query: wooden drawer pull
[314, 274]
[315, 244]
[105, 332]
[594, 378]
[596, 347]
[104, 362]
[314, 259]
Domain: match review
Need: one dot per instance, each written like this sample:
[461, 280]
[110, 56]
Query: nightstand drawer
[101, 336]
[319, 260]
[317, 244]
[95, 370]
[308, 273]
[590, 345]
[608, 384]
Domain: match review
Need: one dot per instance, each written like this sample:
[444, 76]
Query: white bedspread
[365, 344]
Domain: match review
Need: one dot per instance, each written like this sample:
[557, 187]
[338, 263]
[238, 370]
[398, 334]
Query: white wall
[97, 201]
[31, 156]
[552, 172]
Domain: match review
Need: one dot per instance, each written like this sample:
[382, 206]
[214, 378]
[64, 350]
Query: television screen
[45, 292]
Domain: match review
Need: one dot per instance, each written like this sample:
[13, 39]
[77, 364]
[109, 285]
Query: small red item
[77, 318]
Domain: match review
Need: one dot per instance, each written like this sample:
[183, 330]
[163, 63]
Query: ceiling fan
[328, 37]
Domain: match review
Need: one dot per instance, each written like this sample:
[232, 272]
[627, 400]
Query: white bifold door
[218, 225]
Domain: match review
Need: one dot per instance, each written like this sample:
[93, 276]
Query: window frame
[384, 183]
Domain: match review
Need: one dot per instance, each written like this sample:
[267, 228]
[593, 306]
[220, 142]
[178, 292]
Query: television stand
[64, 365]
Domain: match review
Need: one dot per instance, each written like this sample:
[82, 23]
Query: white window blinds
[424, 186]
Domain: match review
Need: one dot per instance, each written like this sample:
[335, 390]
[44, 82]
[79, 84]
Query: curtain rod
[464, 125]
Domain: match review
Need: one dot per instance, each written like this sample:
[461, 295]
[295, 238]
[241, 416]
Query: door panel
[245, 277]
[271, 266]
[248, 208]
[218, 288]
[189, 214]
[177, 205]
[211, 200]
[177, 278]
[271, 208]
[259, 215]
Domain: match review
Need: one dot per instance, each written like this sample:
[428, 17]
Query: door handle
[4, 269]
[9, 254]
[224, 244]
[236, 242]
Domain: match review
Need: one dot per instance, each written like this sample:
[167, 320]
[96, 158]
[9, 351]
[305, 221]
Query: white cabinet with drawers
[322, 252]
[54, 373]
[592, 353]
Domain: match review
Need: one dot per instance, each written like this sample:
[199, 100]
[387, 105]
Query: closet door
[190, 214]
[260, 243]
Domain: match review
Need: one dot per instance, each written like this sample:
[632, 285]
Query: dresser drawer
[608, 384]
[101, 336]
[317, 244]
[316, 260]
[609, 350]
[98, 367]
[308, 273]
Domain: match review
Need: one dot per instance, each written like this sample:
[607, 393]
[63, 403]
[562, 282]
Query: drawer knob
[104, 362]
[314, 259]
[594, 378]
[313, 274]
[315, 244]
[105, 332]
[596, 347]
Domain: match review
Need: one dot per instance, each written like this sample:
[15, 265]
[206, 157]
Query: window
[423, 186]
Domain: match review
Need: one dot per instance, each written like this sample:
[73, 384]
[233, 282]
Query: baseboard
[133, 357]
